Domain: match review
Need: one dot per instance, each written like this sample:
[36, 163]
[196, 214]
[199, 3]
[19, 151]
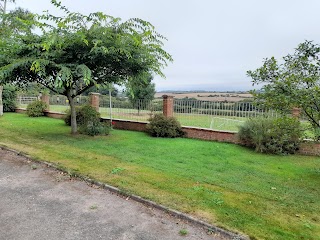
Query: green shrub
[84, 114]
[272, 135]
[36, 109]
[161, 126]
[9, 96]
[88, 121]
[93, 128]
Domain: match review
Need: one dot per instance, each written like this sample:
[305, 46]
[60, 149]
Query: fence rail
[224, 116]
[23, 101]
[139, 110]
[227, 116]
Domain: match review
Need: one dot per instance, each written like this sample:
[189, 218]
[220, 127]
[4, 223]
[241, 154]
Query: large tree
[141, 90]
[76, 52]
[291, 82]
[16, 22]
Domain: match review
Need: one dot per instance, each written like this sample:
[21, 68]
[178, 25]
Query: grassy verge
[266, 197]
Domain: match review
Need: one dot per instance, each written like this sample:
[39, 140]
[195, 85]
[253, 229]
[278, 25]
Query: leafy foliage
[84, 114]
[167, 127]
[271, 135]
[76, 52]
[95, 128]
[293, 82]
[36, 108]
[88, 120]
[103, 90]
[3, 5]
[9, 96]
[141, 90]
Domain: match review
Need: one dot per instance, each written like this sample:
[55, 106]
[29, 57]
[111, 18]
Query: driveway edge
[211, 228]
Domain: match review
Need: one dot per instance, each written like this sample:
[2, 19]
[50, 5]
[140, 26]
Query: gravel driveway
[38, 202]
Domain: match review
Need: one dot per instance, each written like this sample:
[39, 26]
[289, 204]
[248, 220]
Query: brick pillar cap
[92, 93]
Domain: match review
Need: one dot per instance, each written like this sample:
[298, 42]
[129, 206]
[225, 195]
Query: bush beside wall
[9, 96]
[272, 135]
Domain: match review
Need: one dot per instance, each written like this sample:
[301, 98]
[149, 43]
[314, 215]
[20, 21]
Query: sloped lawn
[264, 196]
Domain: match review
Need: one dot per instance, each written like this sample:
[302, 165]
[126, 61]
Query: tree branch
[311, 117]
[84, 89]
[46, 86]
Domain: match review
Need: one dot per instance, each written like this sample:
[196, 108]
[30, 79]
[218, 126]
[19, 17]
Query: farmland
[209, 96]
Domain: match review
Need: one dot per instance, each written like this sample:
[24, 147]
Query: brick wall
[207, 134]
[21, 110]
[191, 132]
[127, 125]
[56, 115]
[196, 133]
[312, 149]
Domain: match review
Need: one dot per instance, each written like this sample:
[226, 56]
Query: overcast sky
[213, 43]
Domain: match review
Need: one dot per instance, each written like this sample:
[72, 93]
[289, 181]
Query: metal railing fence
[63, 100]
[227, 116]
[139, 110]
[23, 101]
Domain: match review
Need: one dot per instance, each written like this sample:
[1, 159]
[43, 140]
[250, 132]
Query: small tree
[141, 90]
[293, 82]
[77, 52]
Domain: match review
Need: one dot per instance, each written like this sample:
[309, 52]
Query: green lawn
[264, 196]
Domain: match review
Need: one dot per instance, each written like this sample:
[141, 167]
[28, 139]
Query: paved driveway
[37, 202]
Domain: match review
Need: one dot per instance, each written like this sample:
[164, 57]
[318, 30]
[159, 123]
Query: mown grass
[264, 196]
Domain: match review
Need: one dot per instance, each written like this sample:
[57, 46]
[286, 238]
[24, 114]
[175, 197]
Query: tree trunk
[1, 104]
[74, 129]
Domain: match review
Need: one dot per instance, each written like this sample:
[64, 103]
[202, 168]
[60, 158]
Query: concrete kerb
[208, 227]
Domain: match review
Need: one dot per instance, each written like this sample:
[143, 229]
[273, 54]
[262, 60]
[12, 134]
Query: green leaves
[292, 82]
[77, 51]
[85, 73]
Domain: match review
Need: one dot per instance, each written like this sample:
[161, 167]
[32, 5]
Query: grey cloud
[213, 42]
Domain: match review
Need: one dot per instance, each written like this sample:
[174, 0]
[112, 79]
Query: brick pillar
[167, 105]
[295, 112]
[1, 105]
[45, 98]
[95, 100]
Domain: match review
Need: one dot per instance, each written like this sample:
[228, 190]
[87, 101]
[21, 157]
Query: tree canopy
[75, 52]
[141, 90]
[292, 82]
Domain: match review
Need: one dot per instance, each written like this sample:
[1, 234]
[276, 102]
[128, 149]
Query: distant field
[208, 96]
